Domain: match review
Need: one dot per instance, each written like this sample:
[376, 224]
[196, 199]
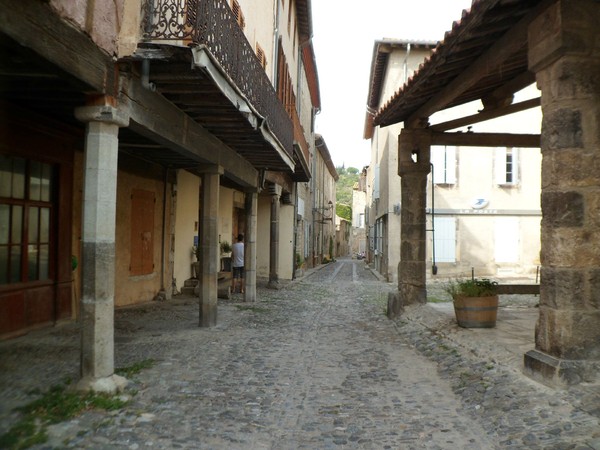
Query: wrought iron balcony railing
[211, 23]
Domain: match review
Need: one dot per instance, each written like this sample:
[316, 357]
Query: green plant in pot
[475, 302]
[225, 248]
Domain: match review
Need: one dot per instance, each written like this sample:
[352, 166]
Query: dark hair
[240, 237]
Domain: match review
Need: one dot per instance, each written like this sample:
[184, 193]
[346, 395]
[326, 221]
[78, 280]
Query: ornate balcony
[211, 25]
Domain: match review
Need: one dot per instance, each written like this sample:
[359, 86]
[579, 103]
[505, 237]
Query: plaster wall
[129, 289]
[186, 226]
[263, 238]
[260, 19]
[101, 20]
[303, 246]
[475, 170]
[226, 216]
[395, 76]
[475, 250]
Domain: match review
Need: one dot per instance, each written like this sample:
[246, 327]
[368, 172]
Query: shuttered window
[285, 92]
[506, 248]
[260, 54]
[237, 12]
[507, 166]
[142, 232]
[445, 239]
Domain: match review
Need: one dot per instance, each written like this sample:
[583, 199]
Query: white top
[237, 254]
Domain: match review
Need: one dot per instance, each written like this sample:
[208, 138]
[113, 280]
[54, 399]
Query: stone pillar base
[556, 372]
[208, 312]
[108, 385]
[394, 305]
[273, 285]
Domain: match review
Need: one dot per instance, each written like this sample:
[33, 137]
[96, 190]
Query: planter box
[476, 312]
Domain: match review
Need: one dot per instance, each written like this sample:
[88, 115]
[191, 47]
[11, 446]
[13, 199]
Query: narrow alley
[314, 365]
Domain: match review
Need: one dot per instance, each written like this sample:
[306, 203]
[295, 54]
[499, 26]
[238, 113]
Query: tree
[344, 211]
[344, 186]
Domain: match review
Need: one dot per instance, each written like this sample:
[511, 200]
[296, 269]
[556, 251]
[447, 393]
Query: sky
[343, 36]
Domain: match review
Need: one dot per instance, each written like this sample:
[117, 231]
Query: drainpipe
[146, 76]
[433, 266]
[276, 42]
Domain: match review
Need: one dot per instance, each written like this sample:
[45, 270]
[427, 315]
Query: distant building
[483, 203]
[358, 236]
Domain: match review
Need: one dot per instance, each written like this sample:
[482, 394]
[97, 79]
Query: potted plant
[475, 302]
[225, 248]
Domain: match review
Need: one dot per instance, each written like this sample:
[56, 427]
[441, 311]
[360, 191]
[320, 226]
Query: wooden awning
[483, 57]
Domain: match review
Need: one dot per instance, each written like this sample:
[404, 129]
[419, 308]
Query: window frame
[29, 245]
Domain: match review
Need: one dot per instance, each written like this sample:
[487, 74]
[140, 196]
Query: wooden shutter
[445, 239]
[142, 232]
[260, 53]
[237, 12]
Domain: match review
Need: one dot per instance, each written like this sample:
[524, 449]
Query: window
[237, 12]
[142, 232]
[285, 92]
[376, 183]
[26, 211]
[379, 236]
[507, 166]
[443, 159]
[260, 54]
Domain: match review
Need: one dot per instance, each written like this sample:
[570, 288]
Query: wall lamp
[325, 211]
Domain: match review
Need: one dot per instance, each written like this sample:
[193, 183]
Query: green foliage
[299, 260]
[344, 211]
[57, 405]
[476, 287]
[344, 186]
[134, 369]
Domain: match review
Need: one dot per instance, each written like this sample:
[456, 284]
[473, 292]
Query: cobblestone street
[314, 365]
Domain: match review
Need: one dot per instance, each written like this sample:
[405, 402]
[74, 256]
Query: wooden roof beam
[486, 139]
[486, 114]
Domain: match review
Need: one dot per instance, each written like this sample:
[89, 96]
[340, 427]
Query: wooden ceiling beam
[486, 114]
[486, 139]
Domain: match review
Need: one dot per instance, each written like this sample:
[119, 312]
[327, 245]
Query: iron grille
[211, 23]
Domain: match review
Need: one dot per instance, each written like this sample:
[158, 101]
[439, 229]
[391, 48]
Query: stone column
[98, 246]
[250, 249]
[413, 167]
[564, 54]
[209, 244]
[275, 191]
